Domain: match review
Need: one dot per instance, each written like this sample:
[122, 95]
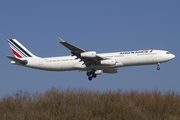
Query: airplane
[89, 61]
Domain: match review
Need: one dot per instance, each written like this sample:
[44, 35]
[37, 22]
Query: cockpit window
[167, 52]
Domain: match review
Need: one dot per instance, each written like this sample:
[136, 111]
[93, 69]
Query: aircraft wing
[78, 52]
[24, 62]
[70, 47]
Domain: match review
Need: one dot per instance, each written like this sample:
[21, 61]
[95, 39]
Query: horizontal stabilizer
[24, 62]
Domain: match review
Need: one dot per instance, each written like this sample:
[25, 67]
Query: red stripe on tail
[16, 54]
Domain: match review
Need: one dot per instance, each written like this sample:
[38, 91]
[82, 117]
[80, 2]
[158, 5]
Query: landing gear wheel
[88, 73]
[94, 75]
[158, 68]
[90, 78]
[91, 74]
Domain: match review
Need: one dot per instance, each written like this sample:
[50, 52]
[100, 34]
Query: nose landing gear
[158, 68]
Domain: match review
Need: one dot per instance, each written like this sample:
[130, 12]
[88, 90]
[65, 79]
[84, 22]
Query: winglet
[60, 40]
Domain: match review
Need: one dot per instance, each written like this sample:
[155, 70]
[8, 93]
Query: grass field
[82, 104]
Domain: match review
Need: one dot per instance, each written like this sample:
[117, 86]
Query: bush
[81, 104]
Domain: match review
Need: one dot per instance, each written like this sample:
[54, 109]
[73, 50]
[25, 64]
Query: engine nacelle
[108, 62]
[90, 54]
[110, 71]
[98, 72]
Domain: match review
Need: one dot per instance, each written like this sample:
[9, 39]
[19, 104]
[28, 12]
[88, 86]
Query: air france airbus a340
[89, 61]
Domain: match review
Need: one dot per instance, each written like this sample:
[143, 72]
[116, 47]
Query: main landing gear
[158, 68]
[91, 74]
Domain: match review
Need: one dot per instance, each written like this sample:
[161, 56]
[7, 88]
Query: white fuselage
[122, 59]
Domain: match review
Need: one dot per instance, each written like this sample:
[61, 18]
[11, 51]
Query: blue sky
[103, 26]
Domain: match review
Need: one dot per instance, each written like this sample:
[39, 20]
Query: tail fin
[19, 50]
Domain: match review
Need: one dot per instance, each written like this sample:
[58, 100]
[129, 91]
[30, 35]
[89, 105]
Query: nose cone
[172, 56]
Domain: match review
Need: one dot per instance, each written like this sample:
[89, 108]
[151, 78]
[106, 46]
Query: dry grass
[81, 104]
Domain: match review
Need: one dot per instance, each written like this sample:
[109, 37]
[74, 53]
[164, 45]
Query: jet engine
[108, 62]
[90, 54]
[98, 72]
[110, 71]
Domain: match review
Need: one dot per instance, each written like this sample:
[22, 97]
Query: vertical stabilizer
[19, 50]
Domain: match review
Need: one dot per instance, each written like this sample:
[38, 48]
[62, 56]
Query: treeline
[82, 104]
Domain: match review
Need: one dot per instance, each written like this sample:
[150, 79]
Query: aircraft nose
[172, 56]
